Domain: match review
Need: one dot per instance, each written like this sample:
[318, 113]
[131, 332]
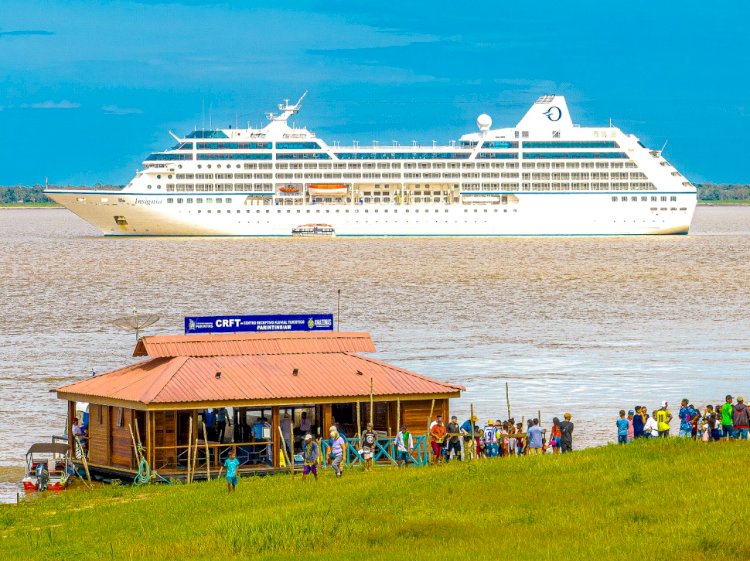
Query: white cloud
[115, 110]
[49, 104]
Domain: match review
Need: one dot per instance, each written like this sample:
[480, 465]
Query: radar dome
[484, 122]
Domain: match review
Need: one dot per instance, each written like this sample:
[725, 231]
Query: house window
[120, 416]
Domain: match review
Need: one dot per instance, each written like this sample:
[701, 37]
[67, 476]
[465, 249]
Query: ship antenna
[664, 146]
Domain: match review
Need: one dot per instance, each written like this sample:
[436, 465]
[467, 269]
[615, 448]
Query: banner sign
[243, 324]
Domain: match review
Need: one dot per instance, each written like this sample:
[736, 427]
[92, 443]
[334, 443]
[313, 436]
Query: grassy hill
[669, 499]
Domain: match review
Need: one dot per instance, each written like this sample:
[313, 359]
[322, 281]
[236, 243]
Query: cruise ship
[544, 177]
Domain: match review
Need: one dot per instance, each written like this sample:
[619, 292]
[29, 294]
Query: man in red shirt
[438, 436]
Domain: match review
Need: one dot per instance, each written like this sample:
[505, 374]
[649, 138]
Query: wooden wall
[121, 443]
[415, 414]
[165, 435]
[99, 434]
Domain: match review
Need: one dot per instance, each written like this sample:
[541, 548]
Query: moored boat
[47, 465]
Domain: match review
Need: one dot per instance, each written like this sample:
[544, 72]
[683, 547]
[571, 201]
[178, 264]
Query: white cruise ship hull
[543, 214]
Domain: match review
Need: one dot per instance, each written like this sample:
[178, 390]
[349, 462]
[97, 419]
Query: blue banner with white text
[265, 323]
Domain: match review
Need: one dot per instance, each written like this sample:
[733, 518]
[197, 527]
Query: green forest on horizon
[34, 195]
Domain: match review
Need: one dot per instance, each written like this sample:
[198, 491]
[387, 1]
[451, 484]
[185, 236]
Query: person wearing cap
[454, 440]
[369, 439]
[470, 435]
[663, 418]
[490, 439]
[338, 449]
[566, 434]
[727, 412]
[740, 419]
[631, 427]
[309, 457]
[404, 446]
[686, 419]
[437, 433]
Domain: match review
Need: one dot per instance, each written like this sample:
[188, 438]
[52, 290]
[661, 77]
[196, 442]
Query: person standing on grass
[520, 440]
[638, 422]
[369, 438]
[651, 428]
[404, 446]
[555, 435]
[309, 457]
[454, 439]
[490, 439]
[727, 411]
[622, 428]
[437, 434]
[338, 449]
[467, 430]
[231, 464]
[740, 419]
[686, 419]
[663, 418]
[631, 428]
[566, 434]
[536, 438]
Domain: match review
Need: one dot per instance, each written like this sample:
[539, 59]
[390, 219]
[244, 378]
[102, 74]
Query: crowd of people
[497, 438]
[728, 420]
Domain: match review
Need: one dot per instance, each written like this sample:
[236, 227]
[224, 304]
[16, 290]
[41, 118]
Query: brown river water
[587, 324]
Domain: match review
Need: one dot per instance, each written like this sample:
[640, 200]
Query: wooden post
[429, 419]
[291, 449]
[135, 446]
[189, 447]
[372, 409]
[359, 424]
[473, 451]
[71, 440]
[208, 454]
[398, 414]
[275, 442]
[195, 456]
[83, 459]
[149, 441]
[507, 398]
[539, 417]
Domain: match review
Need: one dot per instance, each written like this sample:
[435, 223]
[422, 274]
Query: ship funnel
[549, 112]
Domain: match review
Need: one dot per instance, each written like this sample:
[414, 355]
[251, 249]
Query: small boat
[47, 465]
[327, 189]
[313, 230]
[289, 189]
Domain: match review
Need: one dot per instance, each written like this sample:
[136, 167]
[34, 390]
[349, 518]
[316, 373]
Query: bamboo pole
[507, 398]
[135, 447]
[359, 423]
[291, 450]
[208, 454]
[398, 414]
[83, 458]
[137, 433]
[195, 456]
[189, 446]
[283, 450]
[372, 409]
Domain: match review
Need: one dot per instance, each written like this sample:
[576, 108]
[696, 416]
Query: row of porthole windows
[327, 211]
[199, 200]
[654, 198]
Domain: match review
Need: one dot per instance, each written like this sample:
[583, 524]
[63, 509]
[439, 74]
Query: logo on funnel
[553, 113]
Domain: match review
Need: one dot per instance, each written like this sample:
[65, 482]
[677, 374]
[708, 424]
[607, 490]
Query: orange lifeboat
[327, 189]
[289, 189]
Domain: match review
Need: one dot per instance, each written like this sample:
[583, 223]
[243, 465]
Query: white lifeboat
[327, 189]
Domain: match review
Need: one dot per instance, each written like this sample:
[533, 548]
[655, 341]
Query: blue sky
[88, 89]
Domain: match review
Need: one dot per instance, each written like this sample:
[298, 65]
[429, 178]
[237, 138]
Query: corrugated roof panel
[257, 378]
[232, 344]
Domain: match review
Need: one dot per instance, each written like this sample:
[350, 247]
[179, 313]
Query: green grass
[670, 499]
[730, 202]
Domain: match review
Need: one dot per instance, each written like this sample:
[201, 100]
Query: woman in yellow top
[663, 418]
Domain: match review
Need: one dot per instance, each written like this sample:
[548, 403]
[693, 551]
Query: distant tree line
[19, 194]
[713, 192]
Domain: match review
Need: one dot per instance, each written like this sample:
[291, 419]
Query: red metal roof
[256, 378]
[237, 344]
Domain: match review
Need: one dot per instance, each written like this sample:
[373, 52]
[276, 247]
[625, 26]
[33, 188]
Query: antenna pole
[338, 312]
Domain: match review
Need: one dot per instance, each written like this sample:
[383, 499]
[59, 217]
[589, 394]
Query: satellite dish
[484, 122]
[136, 322]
